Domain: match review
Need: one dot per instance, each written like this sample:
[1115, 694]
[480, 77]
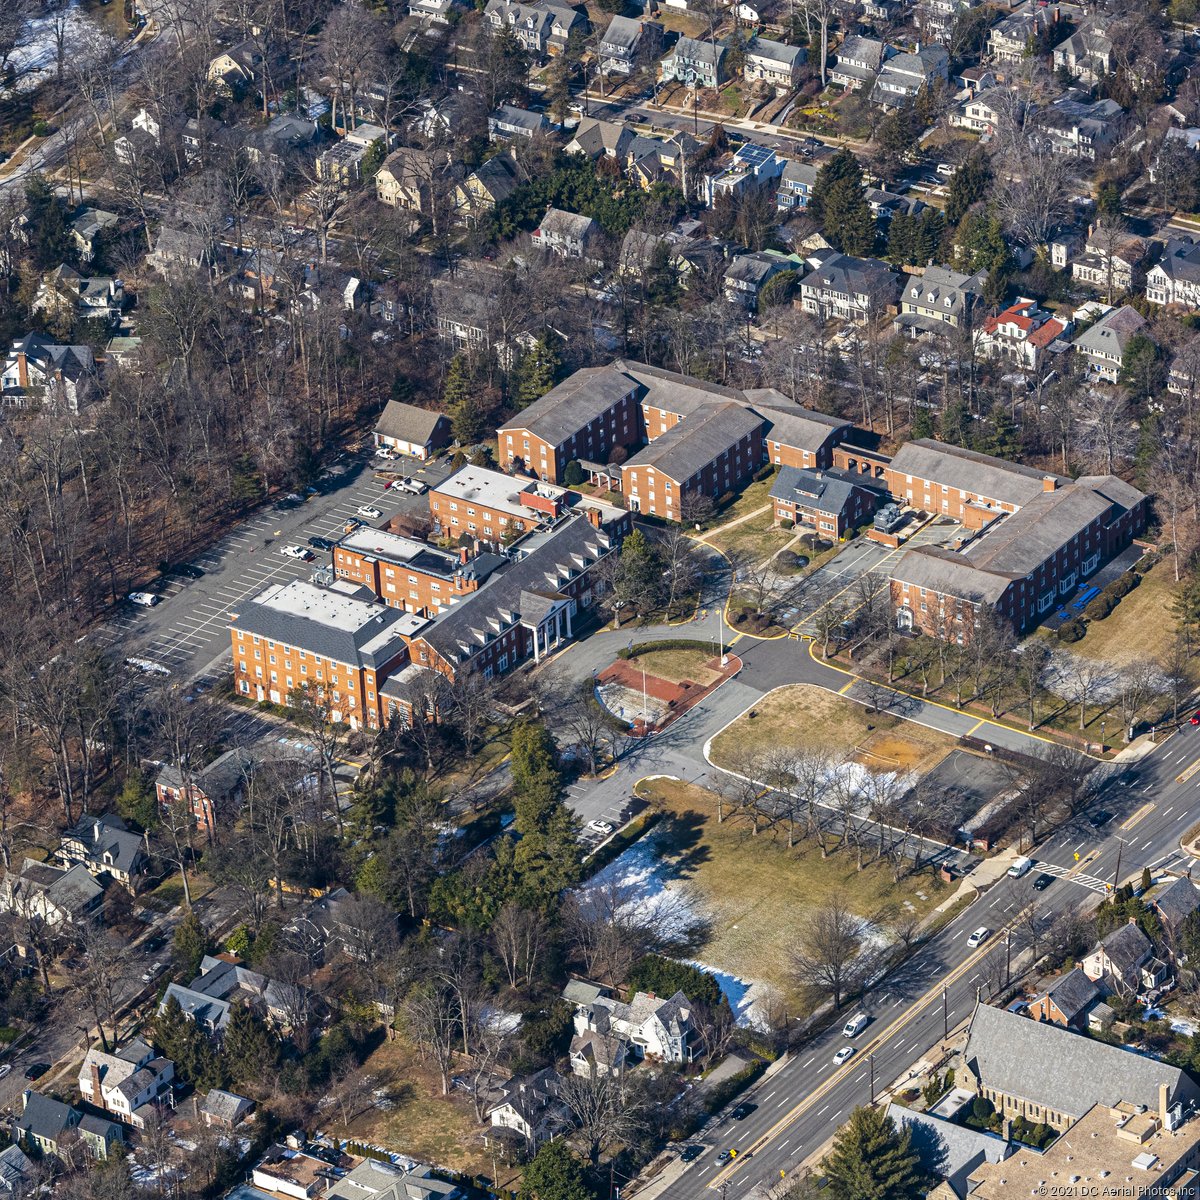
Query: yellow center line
[1188, 772]
[1134, 818]
[843, 690]
[1083, 862]
[853, 1064]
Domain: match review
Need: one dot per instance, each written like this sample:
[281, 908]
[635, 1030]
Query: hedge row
[668, 644]
[1108, 599]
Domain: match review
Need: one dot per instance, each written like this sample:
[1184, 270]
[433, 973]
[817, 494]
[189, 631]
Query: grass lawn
[807, 716]
[673, 20]
[677, 665]
[424, 1124]
[1140, 628]
[756, 496]
[754, 539]
[456, 771]
[755, 888]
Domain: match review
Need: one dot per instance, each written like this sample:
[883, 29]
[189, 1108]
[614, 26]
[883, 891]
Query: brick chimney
[1049, 483]
[23, 369]
[464, 555]
[97, 1094]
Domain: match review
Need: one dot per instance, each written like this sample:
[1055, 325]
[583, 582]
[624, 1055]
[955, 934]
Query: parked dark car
[36, 1070]
[189, 571]
[1042, 882]
[320, 543]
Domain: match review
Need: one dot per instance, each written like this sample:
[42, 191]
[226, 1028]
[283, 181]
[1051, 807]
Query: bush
[1101, 607]
[787, 524]
[764, 472]
[1144, 563]
[40, 128]
[982, 1108]
[665, 977]
[668, 644]
[1122, 585]
[726, 500]
[1073, 630]
[574, 475]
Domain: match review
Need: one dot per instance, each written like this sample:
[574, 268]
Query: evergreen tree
[137, 801]
[1004, 441]
[956, 424]
[967, 186]
[928, 231]
[249, 1051]
[49, 238]
[839, 202]
[1141, 370]
[871, 1160]
[536, 778]
[538, 370]
[546, 855]
[900, 239]
[922, 424]
[842, 167]
[190, 944]
[556, 1173]
[458, 386]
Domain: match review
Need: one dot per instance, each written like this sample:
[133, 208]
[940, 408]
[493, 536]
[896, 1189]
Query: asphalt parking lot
[187, 634]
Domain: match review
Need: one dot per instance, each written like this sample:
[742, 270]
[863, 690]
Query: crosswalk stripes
[1087, 881]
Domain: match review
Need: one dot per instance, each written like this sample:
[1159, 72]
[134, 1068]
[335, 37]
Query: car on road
[5, 1068]
[600, 827]
[1042, 882]
[144, 599]
[157, 942]
[1099, 819]
[743, 1110]
[1195, 719]
[844, 1055]
[368, 511]
[152, 972]
[189, 571]
[691, 1153]
[978, 937]
[726, 1156]
[36, 1070]
[297, 552]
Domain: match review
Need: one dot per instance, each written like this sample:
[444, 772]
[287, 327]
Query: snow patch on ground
[749, 999]
[35, 57]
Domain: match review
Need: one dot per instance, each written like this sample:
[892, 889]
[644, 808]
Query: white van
[1020, 867]
[855, 1025]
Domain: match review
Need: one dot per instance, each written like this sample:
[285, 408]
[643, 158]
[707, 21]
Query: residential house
[342, 163]
[1110, 266]
[542, 27]
[529, 1110]
[948, 1151]
[1174, 901]
[178, 252]
[596, 1054]
[1011, 40]
[1104, 343]
[59, 896]
[855, 290]
[1117, 960]
[17, 1174]
[795, 185]
[106, 846]
[131, 1082]
[657, 1028]
[341, 923]
[982, 112]
[1087, 54]
[857, 62]
[1175, 278]
[1188, 137]
[39, 369]
[698, 64]
[595, 139]
[827, 502]
[285, 1171]
[410, 177]
[46, 1124]
[124, 351]
[437, 12]
[776, 64]
[748, 274]
[225, 1110]
[66, 293]
[440, 120]
[143, 137]
[213, 794]
[492, 183]
[974, 80]
[750, 166]
[1067, 1000]
[566, 234]
[628, 43]
[88, 227]
[334, 639]
[223, 982]
[1071, 1073]
[372, 1178]
[940, 299]
[242, 69]
[661, 158]
[509, 122]
[1023, 332]
[417, 432]
[903, 76]
[1078, 127]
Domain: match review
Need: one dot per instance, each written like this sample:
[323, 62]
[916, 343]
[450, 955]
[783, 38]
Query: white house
[653, 1027]
[131, 1083]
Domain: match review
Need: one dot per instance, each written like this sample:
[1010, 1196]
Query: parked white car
[371, 513]
[386, 453]
[600, 827]
[145, 599]
[297, 552]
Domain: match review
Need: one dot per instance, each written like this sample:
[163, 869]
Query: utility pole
[1007, 957]
[1117, 872]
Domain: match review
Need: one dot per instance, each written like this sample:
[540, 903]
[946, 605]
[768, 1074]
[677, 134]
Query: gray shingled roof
[693, 443]
[107, 834]
[1027, 538]
[1181, 260]
[976, 474]
[623, 32]
[822, 491]
[793, 426]
[1112, 333]
[1072, 1073]
[1176, 901]
[778, 52]
[947, 1150]
[944, 571]
[407, 423]
[854, 277]
[568, 407]
[1127, 948]
[693, 50]
[1072, 993]
[44, 1116]
[225, 1106]
[561, 223]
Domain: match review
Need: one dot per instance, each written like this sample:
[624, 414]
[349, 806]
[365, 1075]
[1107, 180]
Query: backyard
[754, 889]
[806, 716]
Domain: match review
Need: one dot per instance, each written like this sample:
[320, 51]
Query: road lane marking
[1139, 815]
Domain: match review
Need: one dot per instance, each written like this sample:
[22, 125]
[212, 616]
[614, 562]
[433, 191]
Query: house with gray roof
[225, 1110]
[1067, 1000]
[794, 186]
[60, 896]
[1117, 960]
[948, 1151]
[696, 63]
[595, 138]
[17, 1175]
[748, 274]
[1072, 1073]
[566, 234]
[1076, 126]
[775, 64]
[1174, 901]
[88, 227]
[1175, 278]
[41, 370]
[543, 28]
[130, 1082]
[903, 76]
[225, 981]
[529, 1110]
[939, 299]
[1009, 40]
[1088, 54]
[509, 122]
[627, 42]
[44, 1123]
[105, 846]
[213, 793]
[1104, 343]
[847, 289]
[827, 502]
[390, 1181]
[857, 62]
[654, 1027]
[407, 429]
